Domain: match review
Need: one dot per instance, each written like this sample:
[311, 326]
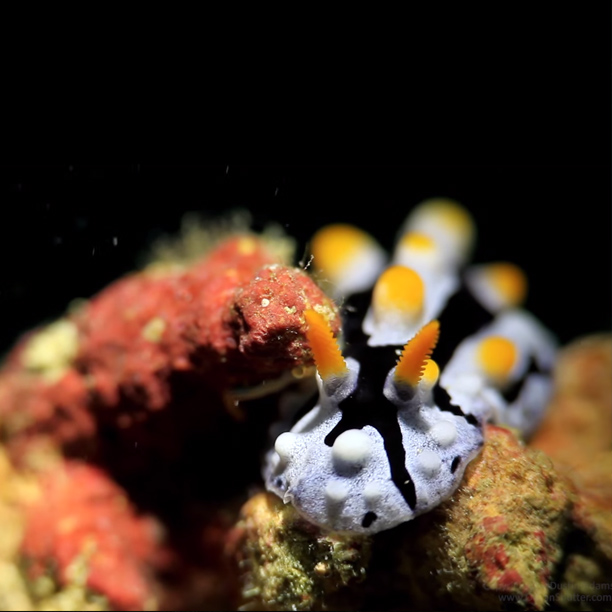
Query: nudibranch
[391, 430]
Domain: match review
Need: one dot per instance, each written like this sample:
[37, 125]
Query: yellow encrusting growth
[497, 356]
[154, 330]
[51, 351]
[327, 354]
[199, 235]
[509, 280]
[399, 289]
[412, 364]
[334, 246]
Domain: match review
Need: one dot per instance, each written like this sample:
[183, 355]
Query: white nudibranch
[392, 430]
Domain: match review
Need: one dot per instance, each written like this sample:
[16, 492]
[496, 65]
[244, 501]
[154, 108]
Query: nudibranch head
[391, 432]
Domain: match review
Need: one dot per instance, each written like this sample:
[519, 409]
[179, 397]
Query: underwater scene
[305, 388]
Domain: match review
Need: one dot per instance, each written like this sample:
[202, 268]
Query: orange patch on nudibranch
[399, 289]
[335, 246]
[327, 354]
[417, 241]
[448, 222]
[454, 216]
[497, 356]
[509, 280]
[412, 364]
[431, 373]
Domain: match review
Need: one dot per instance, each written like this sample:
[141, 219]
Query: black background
[70, 229]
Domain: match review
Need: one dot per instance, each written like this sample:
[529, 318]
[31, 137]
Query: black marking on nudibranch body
[353, 311]
[455, 464]
[368, 519]
[443, 401]
[462, 316]
[368, 406]
[512, 392]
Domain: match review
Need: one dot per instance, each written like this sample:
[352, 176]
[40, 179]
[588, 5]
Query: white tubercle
[352, 447]
[429, 462]
[336, 491]
[372, 491]
[284, 445]
[444, 433]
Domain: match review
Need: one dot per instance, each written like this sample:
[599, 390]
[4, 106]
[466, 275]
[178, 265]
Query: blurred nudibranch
[430, 350]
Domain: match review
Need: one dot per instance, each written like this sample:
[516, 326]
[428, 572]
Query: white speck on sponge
[265, 302]
[352, 447]
[284, 445]
[429, 462]
[336, 491]
[444, 433]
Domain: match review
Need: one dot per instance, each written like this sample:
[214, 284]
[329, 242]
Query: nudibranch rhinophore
[391, 431]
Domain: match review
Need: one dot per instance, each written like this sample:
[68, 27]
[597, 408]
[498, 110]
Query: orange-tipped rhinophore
[327, 353]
